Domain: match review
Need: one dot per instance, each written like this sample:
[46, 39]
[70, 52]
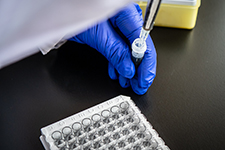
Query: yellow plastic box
[175, 13]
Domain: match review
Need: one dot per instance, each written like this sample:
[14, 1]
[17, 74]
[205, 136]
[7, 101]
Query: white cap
[138, 48]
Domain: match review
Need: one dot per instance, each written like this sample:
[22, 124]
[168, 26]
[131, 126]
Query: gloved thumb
[129, 21]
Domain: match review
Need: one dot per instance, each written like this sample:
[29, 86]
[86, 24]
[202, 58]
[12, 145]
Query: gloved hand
[106, 38]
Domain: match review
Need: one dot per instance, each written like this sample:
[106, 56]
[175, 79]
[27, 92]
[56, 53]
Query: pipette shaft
[139, 45]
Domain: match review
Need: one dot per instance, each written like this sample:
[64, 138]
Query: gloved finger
[107, 41]
[124, 82]
[112, 72]
[129, 21]
[146, 71]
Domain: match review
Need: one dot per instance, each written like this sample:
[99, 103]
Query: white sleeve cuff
[51, 45]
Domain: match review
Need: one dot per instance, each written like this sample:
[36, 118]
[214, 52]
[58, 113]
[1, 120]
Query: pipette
[139, 45]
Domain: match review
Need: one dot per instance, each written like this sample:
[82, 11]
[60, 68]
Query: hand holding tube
[106, 39]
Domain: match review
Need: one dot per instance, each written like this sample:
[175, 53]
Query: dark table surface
[185, 104]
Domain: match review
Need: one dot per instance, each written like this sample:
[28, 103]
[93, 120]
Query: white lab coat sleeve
[26, 25]
[50, 45]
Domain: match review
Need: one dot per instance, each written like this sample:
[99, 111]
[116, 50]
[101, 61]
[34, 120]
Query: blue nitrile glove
[105, 38]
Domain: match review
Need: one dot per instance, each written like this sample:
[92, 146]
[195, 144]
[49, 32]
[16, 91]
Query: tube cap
[138, 48]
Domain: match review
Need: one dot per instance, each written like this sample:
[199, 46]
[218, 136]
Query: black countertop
[185, 104]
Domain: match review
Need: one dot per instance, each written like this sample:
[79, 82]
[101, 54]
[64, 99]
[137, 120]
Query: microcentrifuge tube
[77, 128]
[86, 123]
[148, 135]
[56, 135]
[67, 134]
[124, 105]
[133, 120]
[142, 128]
[115, 109]
[154, 144]
[124, 108]
[106, 115]
[107, 118]
[96, 120]
[130, 112]
[134, 123]
[116, 112]
[66, 131]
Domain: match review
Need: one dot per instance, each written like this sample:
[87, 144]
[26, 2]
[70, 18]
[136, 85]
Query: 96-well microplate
[116, 124]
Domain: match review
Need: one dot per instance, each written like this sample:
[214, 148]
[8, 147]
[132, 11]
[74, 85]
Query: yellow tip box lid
[175, 13]
[180, 2]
